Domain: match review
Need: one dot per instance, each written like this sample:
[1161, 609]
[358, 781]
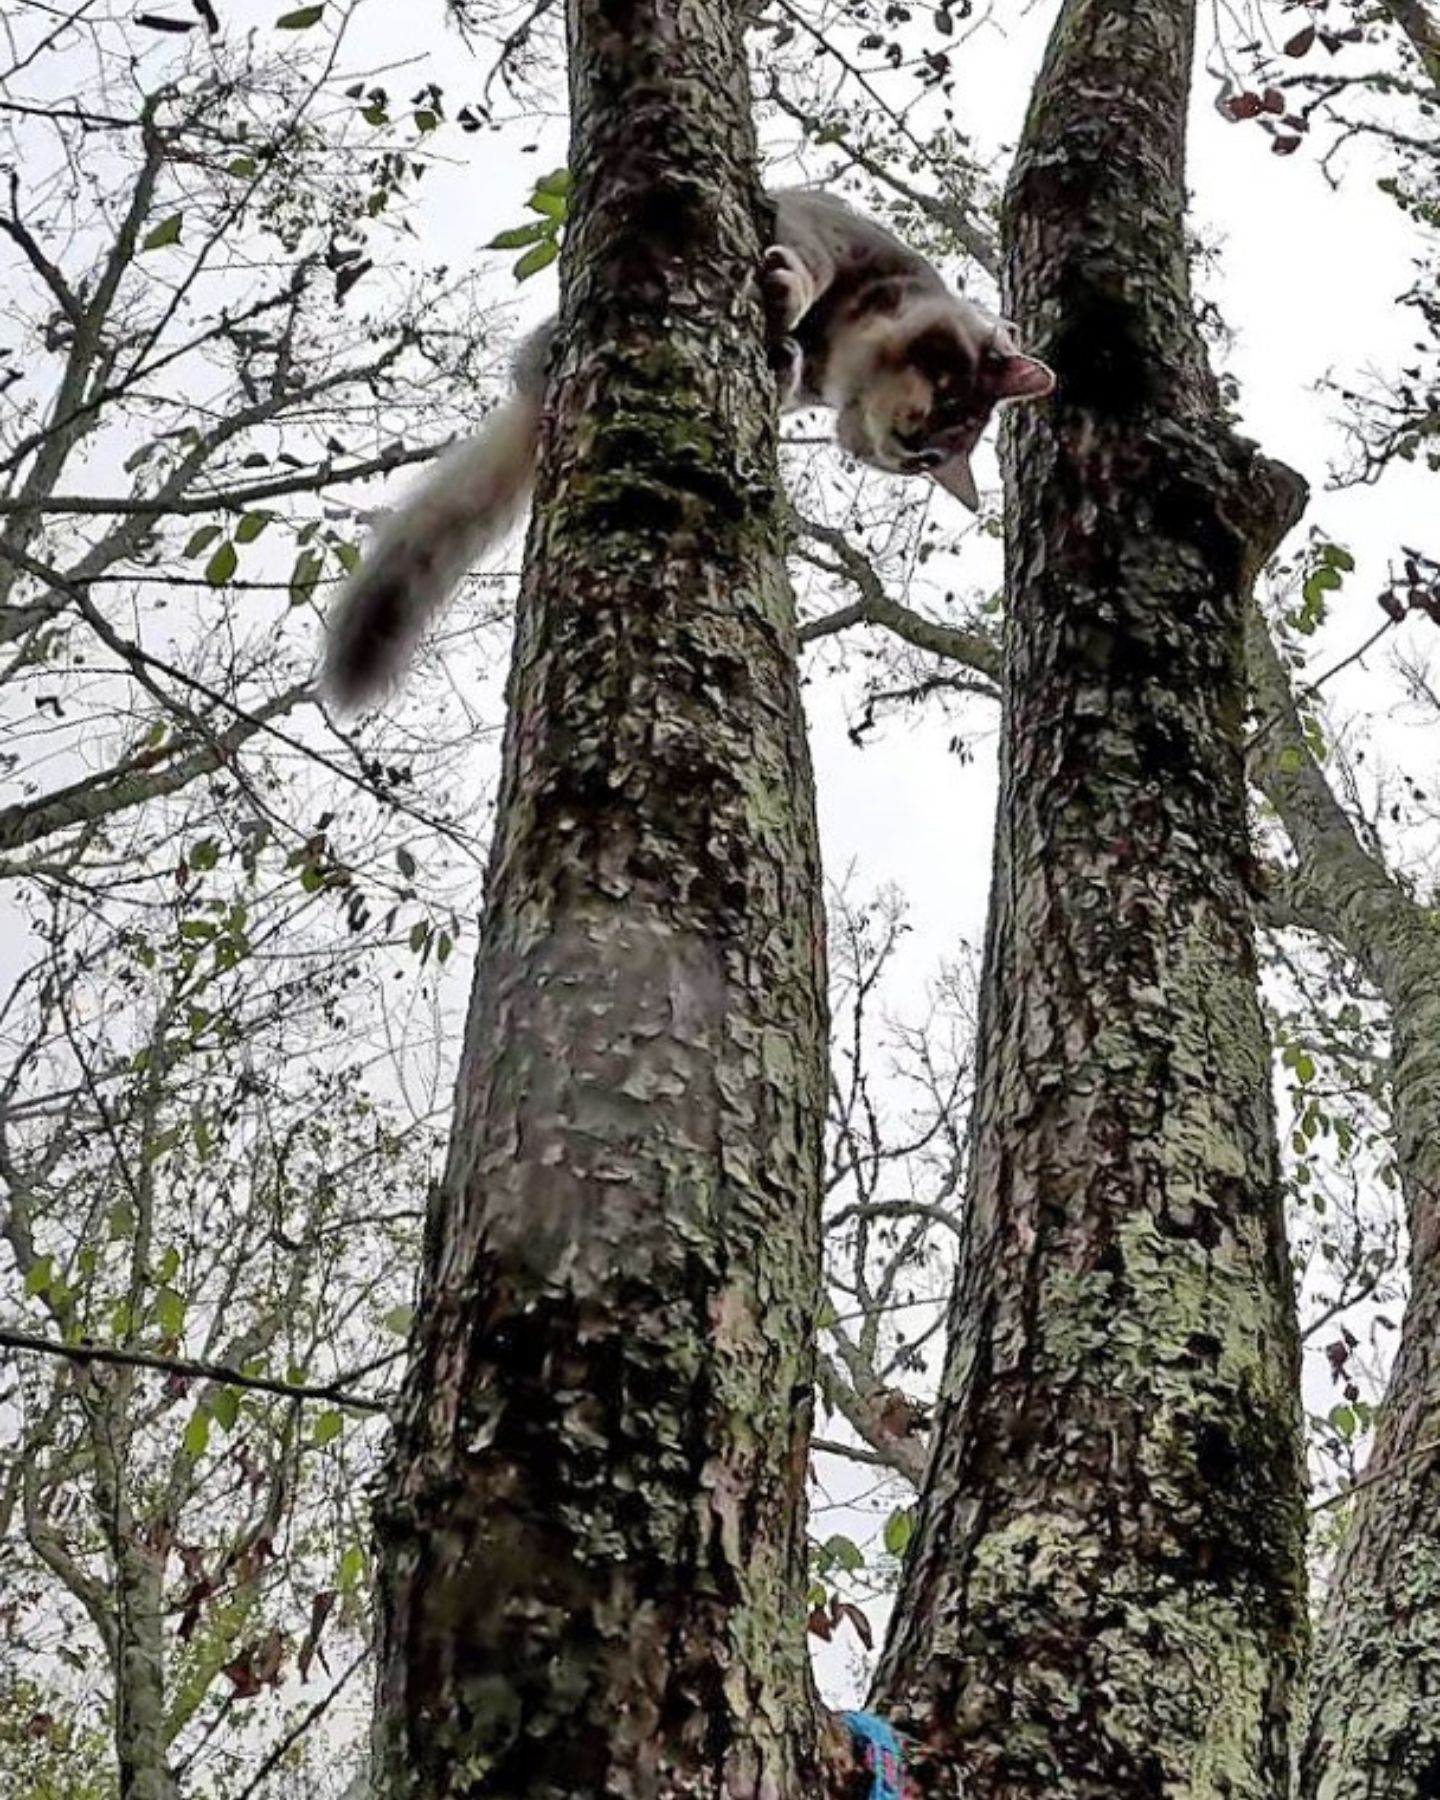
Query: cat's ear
[1024, 378]
[957, 478]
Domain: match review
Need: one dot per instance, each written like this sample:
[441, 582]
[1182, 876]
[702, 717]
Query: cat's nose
[927, 459]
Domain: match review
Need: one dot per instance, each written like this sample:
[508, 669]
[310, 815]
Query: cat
[859, 323]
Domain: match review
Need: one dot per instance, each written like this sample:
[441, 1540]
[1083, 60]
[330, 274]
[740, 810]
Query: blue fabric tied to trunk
[883, 1755]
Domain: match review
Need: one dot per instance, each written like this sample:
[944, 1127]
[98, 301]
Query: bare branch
[977, 651]
[337, 1392]
[148, 775]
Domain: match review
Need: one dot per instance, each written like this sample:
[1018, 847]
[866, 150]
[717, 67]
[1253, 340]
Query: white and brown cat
[863, 325]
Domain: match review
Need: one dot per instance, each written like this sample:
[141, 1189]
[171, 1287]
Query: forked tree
[591, 1531]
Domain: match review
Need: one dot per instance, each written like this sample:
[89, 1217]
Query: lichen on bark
[1105, 1594]
[591, 1533]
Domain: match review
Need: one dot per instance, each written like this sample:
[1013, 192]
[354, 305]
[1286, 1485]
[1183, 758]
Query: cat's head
[915, 389]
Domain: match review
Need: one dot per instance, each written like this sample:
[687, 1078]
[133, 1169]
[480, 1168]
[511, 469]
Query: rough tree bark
[592, 1558]
[1375, 1713]
[1375, 1720]
[1105, 1594]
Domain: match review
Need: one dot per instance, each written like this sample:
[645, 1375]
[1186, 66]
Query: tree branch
[337, 1391]
[149, 775]
[875, 607]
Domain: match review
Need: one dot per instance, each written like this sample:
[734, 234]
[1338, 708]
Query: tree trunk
[591, 1543]
[1105, 1594]
[1375, 1719]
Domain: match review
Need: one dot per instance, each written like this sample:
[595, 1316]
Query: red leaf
[320, 1609]
[1244, 106]
[241, 1675]
[1285, 146]
[1274, 100]
[818, 1625]
[1301, 42]
[860, 1622]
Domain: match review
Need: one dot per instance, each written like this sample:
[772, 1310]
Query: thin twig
[297, 1731]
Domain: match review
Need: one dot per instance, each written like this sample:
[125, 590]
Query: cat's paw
[788, 361]
[789, 290]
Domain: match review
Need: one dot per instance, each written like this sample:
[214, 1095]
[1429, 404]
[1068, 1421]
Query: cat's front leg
[790, 289]
[790, 292]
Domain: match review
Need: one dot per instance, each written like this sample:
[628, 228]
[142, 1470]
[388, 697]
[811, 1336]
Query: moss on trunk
[1105, 1592]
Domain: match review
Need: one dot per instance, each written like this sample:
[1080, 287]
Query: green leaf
[899, 1529]
[1344, 1421]
[41, 1276]
[352, 1569]
[304, 576]
[161, 1142]
[251, 526]
[327, 1428]
[243, 166]
[301, 19]
[225, 1408]
[845, 1552]
[519, 236]
[204, 1137]
[205, 854]
[170, 1312]
[558, 181]
[419, 934]
[533, 261]
[222, 565]
[554, 206]
[399, 1319]
[120, 1221]
[197, 1435]
[166, 232]
[425, 120]
[1320, 582]
[202, 539]
[406, 863]
[1304, 1068]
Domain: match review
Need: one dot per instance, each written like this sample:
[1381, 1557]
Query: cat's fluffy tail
[427, 546]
